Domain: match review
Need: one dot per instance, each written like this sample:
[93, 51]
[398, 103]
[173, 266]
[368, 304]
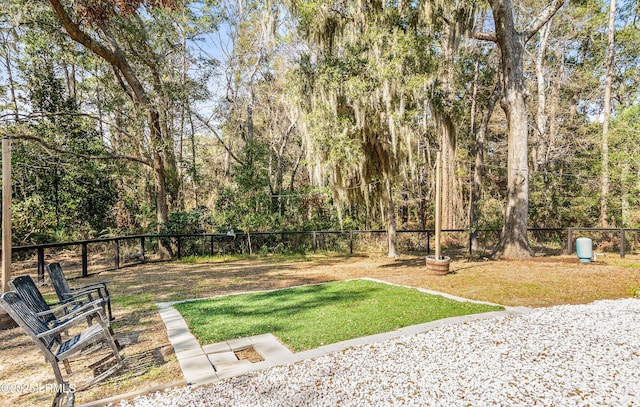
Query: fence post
[179, 246]
[211, 244]
[41, 264]
[622, 243]
[85, 271]
[428, 243]
[117, 242]
[351, 242]
[315, 241]
[569, 241]
[142, 248]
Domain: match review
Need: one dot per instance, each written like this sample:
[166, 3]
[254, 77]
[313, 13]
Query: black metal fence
[83, 257]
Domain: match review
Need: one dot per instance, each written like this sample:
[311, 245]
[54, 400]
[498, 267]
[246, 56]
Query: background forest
[171, 116]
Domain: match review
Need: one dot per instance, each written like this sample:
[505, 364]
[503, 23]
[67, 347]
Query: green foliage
[197, 221]
[60, 196]
[625, 167]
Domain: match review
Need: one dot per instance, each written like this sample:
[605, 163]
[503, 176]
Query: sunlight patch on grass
[311, 316]
[626, 263]
[137, 301]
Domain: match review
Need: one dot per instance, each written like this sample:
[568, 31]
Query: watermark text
[24, 388]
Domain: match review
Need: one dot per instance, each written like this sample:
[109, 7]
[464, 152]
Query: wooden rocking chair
[90, 292]
[29, 293]
[49, 340]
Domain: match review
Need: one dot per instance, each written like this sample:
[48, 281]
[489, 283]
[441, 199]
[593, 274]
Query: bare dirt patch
[149, 356]
[249, 354]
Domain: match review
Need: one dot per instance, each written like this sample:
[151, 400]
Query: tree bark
[450, 187]
[10, 80]
[610, 64]
[541, 116]
[452, 209]
[513, 242]
[391, 219]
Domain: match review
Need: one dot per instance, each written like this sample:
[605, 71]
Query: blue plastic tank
[584, 249]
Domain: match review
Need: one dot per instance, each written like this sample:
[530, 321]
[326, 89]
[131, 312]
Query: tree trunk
[162, 209]
[610, 64]
[553, 123]
[391, 219]
[194, 169]
[514, 243]
[541, 117]
[478, 168]
[10, 80]
[451, 205]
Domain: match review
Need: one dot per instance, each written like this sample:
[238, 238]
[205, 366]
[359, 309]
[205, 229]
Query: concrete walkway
[209, 363]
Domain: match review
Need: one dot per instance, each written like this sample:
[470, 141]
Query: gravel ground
[570, 355]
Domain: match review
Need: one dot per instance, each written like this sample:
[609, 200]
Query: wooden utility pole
[439, 264]
[5, 320]
[6, 213]
[438, 203]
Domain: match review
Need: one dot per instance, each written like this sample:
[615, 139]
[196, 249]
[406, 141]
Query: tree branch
[482, 36]
[542, 18]
[50, 147]
[113, 56]
[25, 118]
[215, 133]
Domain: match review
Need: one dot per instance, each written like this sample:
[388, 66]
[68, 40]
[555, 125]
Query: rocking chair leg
[115, 340]
[111, 318]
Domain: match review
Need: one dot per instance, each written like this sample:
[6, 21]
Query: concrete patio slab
[217, 347]
[240, 343]
[222, 357]
[197, 369]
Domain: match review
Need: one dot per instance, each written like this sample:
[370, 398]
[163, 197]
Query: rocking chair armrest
[97, 283]
[100, 285]
[84, 293]
[80, 318]
[82, 307]
[61, 306]
[88, 289]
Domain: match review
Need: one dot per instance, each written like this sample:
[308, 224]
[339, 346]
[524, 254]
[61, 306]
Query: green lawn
[311, 316]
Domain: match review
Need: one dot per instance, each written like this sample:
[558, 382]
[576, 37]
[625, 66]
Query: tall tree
[366, 88]
[97, 15]
[450, 22]
[608, 83]
[514, 241]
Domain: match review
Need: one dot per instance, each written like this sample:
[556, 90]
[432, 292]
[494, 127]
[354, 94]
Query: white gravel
[572, 355]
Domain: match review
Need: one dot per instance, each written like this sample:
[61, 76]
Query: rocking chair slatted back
[66, 293]
[28, 291]
[59, 282]
[28, 320]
